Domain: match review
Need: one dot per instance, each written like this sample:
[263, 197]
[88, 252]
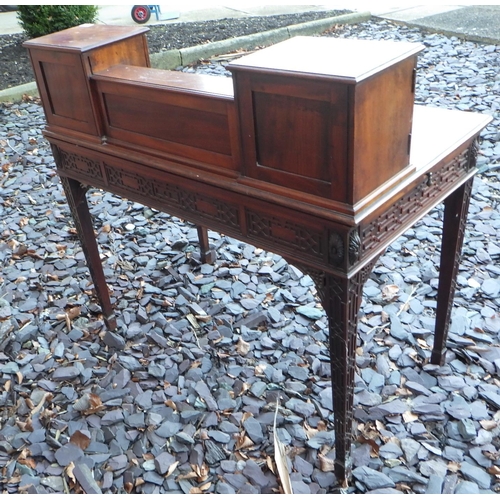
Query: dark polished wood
[323, 159]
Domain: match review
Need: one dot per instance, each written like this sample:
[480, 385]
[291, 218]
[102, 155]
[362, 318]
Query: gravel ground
[182, 397]
[16, 66]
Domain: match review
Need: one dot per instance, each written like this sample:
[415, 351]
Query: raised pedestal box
[64, 61]
[327, 117]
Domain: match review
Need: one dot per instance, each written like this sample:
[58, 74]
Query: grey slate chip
[476, 474]
[86, 480]
[65, 373]
[68, 453]
[254, 474]
[114, 340]
[118, 462]
[162, 462]
[254, 430]
[467, 488]
[214, 453]
[371, 478]
[220, 437]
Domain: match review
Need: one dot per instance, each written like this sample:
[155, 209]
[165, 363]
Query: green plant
[39, 20]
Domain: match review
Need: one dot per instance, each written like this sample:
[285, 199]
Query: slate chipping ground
[182, 398]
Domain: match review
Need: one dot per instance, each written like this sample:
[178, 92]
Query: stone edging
[171, 59]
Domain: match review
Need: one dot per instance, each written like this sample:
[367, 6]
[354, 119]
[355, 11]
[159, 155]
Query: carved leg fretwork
[77, 201]
[456, 207]
[341, 299]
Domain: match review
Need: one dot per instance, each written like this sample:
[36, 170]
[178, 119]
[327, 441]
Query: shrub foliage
[39, 20]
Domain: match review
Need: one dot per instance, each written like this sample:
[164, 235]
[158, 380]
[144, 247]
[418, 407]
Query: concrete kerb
[470, 37]
[172, 59]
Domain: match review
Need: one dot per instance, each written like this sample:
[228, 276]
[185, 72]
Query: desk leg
[77, 201]
[456, 207]
[208, 256]
[341, 299]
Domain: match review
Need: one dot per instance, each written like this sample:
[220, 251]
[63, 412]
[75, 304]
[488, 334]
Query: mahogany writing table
[325, 161]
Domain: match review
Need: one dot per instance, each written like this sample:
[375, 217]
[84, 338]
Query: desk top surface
[340, 59]
[438, 132]
[85, 37]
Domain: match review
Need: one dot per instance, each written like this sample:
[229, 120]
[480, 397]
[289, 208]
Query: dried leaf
[270, 465]
[492, 455]
[69, 471]
[280, 458]
[326, 464]
[494, 470]
[246, 416]
[373, 445]
[453, 466]
[321, 426]
[39, 406]
[205, 486]
[260, 369]
[80, 439]
[310, 431]
[74, 312]
[88, 404]
[242, 347]
[195, 491]
[172, 468]
[390, 292]
[488, 425]
[243, 441]
[128, 487]
[171, 404]
[402, 487]
[95, 401]
[189, 475]
[408, 416]
[423, 344]
[68, 322]
[403, 392]
[29, 462]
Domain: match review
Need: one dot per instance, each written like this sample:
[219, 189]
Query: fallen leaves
[80, 439]
[69, 315]
[390, 292]
[242, 347]
[88, 404]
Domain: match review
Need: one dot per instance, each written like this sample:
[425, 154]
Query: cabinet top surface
[85, 37]
[337, 58]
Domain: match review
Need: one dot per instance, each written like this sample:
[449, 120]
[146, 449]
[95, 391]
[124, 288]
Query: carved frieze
[72, 162]
[407, 208]
[173, 196]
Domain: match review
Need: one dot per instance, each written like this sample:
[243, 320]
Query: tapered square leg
[77, 201]
[456, 207]
[208, 256]
[341, 299]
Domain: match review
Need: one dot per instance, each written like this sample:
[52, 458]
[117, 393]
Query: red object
[141, 13]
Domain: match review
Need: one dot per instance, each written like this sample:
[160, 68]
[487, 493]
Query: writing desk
[229, 155]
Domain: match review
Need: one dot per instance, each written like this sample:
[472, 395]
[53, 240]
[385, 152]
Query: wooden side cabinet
[326, 117]
[64, 61]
